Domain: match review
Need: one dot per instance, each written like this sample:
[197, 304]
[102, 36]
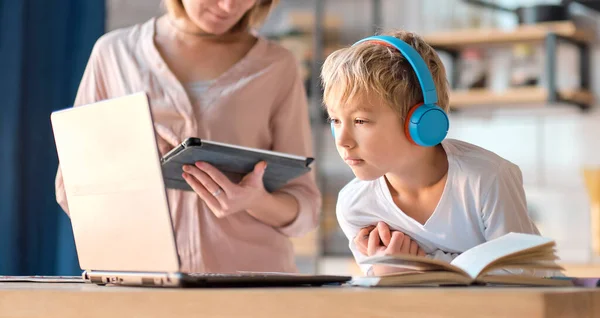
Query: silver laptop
[118, 204]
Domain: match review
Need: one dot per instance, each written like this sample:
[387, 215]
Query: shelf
[592, 5]
[525, 33]
[514, 96]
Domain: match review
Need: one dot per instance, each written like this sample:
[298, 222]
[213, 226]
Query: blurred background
[526, 89]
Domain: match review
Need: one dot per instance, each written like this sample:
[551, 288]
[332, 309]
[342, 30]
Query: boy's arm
[505, 210]
[504, 206]
[351, 228]
[350, 231]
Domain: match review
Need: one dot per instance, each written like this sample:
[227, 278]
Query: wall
[122, 13]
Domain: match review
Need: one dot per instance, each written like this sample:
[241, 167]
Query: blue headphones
[426, 123]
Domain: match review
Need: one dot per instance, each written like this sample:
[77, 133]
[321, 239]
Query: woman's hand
[222, 196]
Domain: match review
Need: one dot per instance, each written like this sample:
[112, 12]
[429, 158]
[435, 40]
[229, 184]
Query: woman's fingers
[213, 188]
[202, 192]
[216, 176]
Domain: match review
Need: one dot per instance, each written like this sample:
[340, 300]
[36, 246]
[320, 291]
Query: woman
[208, 75]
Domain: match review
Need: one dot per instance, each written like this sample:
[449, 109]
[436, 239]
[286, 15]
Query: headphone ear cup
[332, 130]
[407, 123]
[427, 125]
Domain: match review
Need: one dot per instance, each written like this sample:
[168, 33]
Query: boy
[414, 192]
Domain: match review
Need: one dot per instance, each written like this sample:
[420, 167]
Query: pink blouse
[259, 102]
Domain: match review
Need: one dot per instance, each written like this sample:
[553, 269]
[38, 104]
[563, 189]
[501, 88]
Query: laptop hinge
[134, 278]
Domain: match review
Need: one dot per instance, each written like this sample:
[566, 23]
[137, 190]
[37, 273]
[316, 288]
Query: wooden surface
[86, 300]
[513, 97]
[581, 270]
[525, 33]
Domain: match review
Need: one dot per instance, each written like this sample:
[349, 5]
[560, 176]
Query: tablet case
[234, 161]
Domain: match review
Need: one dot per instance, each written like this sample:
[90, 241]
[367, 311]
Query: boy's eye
[333, 121]
[360, 121]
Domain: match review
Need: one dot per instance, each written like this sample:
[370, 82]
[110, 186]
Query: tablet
[232, 160]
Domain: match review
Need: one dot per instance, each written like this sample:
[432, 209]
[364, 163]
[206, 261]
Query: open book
[509, 259]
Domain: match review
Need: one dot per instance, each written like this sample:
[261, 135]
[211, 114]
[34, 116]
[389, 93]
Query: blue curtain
[44, 47]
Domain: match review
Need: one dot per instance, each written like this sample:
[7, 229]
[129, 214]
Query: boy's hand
[403, 244]
[382, 235]
[379, 238]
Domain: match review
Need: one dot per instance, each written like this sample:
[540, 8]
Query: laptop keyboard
[242, 274]
[212, 275]
[258, 279]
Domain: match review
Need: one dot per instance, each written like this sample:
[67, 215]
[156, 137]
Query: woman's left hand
[221, 195]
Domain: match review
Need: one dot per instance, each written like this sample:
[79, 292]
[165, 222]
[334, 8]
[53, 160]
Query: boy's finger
[361, 240]
[384, 233]
[405, 249]
[421, 252]
[414, 248]
[365, 231]
[362, 247]
[395, 242]
[374, 242]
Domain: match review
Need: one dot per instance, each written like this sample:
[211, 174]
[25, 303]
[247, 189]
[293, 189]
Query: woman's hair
[251, 19]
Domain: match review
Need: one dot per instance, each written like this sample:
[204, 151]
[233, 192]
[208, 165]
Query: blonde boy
[436, 200]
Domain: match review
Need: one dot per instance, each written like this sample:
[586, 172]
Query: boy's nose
[343, 138]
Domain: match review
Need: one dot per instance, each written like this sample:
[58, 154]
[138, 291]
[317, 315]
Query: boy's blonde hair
[378, 69]
[251, 19]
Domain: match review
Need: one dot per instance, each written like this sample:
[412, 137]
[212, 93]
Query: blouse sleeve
[290, 126]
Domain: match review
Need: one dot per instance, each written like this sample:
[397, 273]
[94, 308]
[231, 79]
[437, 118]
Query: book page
[523, 280]
[436, 278]
[525, 266]
[476, 259]
[416, 263]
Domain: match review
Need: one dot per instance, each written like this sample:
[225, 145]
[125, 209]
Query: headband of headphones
[426, 123]
[415, 60]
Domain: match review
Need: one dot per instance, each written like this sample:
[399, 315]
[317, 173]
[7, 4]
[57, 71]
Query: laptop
[118, 205]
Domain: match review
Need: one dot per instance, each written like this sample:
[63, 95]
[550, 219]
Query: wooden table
[86, 300]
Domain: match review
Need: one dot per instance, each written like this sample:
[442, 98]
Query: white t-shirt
[483, 199]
